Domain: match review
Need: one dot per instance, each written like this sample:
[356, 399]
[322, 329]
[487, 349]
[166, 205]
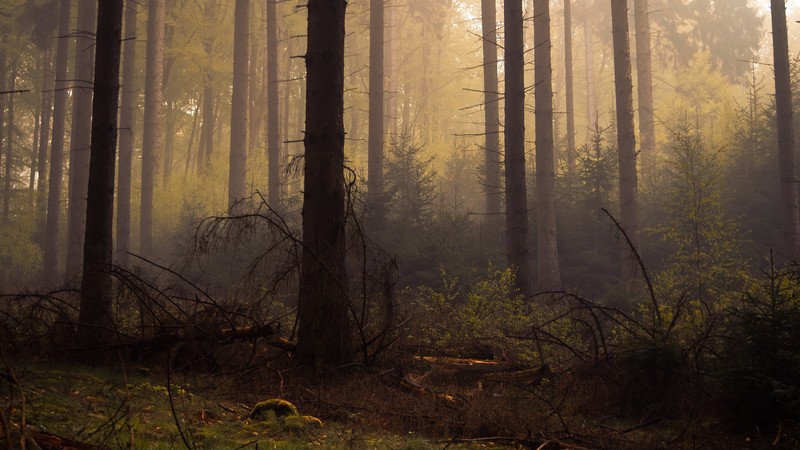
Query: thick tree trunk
[626, 139]
[570, 97]
[126, 135]
[547, 269]
[516, 198]
[491, 104]
[95, 321]
[237, 175]
[273, 104]
[151, 140]
[324, 333]
[644, 76]
[376, 127]
[50, 275]
[786, 146]
[44, 138]
[81, 136]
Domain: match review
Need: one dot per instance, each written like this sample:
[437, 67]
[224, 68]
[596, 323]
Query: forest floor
[147, 408]
[117, 409]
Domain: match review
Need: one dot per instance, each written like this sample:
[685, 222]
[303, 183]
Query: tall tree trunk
[151, 140]
[626, 139]
[516, 196]
[50, 274]
[95, 321]
[37, 119]
[390, 58]
[786, 146]
[12, 85]
[81, 136]
[592, 118]
[547, 269]
[237, 175]
[644, 76]
[44, 138]
[491, 109]
[323, 339]
[191, 143]
[207, 146]
[273, 104]
[253, 109]
[127, 133]
[570, 97]
[376, 127]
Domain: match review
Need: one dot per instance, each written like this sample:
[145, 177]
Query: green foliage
[20, 257]
[706, 263]
[758, 374]
[484, 320]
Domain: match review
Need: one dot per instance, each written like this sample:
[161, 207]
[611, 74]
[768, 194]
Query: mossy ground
[131, 410]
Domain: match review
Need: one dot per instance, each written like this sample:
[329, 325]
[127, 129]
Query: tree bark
[81, 137]
[491, 109]
[570, 97]
[11, 86]
[324, 333]
[237, 175]
[44, 137]
[547, 268]
[376, 106]
[786, 148]
[151, 140]
[644, 76]
[50, 274]
[126, 135]
[626, 139]
[592, 118]
[516, 195]
[273, 104]
[95, 320]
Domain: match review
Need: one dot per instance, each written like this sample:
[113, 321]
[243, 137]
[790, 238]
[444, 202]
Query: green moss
[301, 423]
[278, 406]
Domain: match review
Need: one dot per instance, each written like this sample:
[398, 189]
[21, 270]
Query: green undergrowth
[133, 410]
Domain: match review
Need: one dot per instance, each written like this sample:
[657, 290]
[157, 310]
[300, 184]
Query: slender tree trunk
[50, 275]
[324, 333]
[390, 59]
[273, 104]
[170, 122]
[516, 198]
[44, 138]
[37, 119]
[493, 189]
[592, 118]
[127, 133]
[548, 272]
[151, 140]
[626, 140]
[570, 97]
[237, 176]
[252, 76]
[376, 105]
[644, 72]
[95, 321]
[12, 85]
[786, 146]
[81, 137]
[190, 145]
[207, 147]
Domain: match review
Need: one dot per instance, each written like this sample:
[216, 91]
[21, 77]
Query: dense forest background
[539, 183]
